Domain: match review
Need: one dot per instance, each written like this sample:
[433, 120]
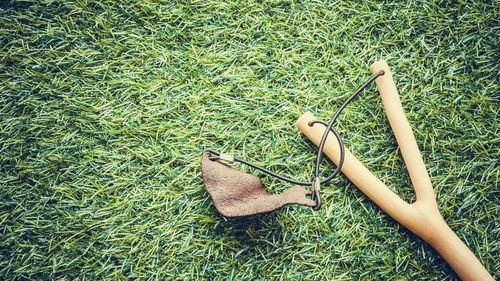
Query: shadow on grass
[249, 228]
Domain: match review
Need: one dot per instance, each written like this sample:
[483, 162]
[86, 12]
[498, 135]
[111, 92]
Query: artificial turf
[106, 106]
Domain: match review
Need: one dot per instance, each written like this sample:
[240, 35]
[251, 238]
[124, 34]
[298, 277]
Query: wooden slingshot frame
[421, 217]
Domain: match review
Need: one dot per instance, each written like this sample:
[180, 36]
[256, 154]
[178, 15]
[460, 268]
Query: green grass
[106, 106]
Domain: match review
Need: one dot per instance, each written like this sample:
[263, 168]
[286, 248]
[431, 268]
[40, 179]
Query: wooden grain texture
[421, 217]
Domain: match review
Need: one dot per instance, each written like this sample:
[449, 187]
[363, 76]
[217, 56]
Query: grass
[106, 106]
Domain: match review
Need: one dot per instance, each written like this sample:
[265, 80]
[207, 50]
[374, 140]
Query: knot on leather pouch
[238, 194]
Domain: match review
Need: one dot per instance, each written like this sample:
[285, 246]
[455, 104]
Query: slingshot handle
[422, 217]
[443, 239]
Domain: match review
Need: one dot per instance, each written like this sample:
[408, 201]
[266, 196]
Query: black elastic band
[319, 157]
[271, 173]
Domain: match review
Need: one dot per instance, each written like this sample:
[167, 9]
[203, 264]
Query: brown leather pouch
[238, 194]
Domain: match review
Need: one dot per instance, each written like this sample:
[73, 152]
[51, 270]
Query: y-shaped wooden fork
[421, 217]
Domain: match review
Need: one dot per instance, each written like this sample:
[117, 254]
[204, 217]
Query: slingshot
[421, 217]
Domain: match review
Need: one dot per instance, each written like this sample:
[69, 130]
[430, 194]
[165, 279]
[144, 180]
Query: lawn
[106, 107]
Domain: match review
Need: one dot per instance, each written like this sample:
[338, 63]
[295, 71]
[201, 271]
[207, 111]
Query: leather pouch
[237, 194]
